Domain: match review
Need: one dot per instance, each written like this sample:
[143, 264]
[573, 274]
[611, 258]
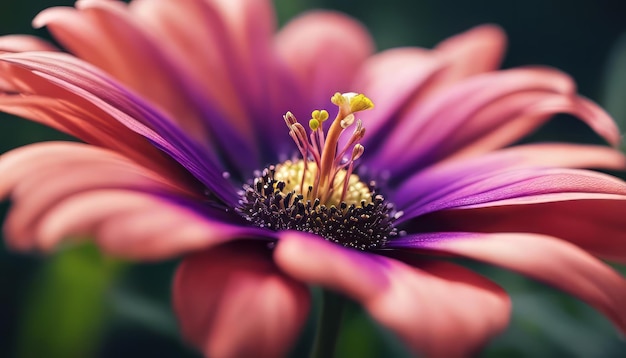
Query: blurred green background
[77, 303]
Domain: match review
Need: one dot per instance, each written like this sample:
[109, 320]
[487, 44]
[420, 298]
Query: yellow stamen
[328, 161]
[338, 99]
[360, 103]
[314, 124]
[320, 115]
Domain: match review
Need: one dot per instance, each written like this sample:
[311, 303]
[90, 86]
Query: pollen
[274, 201]
[292, 174]
[319, 193]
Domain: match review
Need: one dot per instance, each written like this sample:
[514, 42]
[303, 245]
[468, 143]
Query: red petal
[553, 261]
[232, 301]
[438, 309]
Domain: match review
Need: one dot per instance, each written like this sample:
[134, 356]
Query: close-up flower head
[292, 169]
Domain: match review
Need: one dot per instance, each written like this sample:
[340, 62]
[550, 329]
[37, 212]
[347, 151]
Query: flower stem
[329, 324]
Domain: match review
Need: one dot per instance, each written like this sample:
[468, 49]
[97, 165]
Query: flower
[179, 103]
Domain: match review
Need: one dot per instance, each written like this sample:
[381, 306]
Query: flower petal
[262, 82]
[245, 77]
[475, 51]
[494, 185]
[126, 223]
[78, 83]
[76, 117]
[415, 74]
[63, 190]
[562, 155]
[553, 261]
[102, 33]
[596, 225]
[37, 163]
[22, 43]
[181, 28]
[325, 58]
[448, 175]
[232, 301]
[427, 306]
[480, 104]
[144, 227]
[410, 72]
[106, 34]
[480, 135]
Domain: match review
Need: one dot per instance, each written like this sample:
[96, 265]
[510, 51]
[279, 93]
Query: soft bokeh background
[77, 303]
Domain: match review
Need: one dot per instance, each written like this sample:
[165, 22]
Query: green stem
[328, 325]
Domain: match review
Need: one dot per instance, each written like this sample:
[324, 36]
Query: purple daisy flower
[182, 106]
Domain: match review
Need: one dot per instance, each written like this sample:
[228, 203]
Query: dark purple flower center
[366, 225]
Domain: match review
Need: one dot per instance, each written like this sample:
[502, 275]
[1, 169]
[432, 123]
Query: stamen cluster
[323, 148]
[365, 226]
[320, 194]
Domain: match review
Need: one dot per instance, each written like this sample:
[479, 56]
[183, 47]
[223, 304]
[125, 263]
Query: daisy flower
[272, 160]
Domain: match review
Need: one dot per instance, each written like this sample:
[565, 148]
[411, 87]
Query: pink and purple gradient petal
[233, 301]
[420, 303]
[545, 258]
[175, 126]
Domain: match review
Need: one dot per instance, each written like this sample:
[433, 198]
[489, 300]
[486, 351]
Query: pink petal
[72, 80]
[409, 71]
[553, 261]
[49, 104]
[596, 225]
[251, 25]
[22, 43]
[562, 155]
[28, 164]
[502, 192]
[91, 125]
[125, 223]
[104, 34]
[224, 72]
[428, 126]
[504, 123]
[40, 100]
[232, 301]
[416, 74]
[144, 227]
[244, 27]
[472, 95]
[239, 75]
[182, 27]
[478, 50]
[428, 306]
[64, 190]
[325, 51]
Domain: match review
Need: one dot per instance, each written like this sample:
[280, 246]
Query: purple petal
[89, 83]
[472, 189]
[476, 107]
[108, 36]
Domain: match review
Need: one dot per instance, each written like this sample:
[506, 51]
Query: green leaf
[65, 310]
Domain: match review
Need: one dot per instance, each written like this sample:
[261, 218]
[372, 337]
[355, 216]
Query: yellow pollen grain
[314, 124]
[360, 103]
[320, 115]
[291, 174]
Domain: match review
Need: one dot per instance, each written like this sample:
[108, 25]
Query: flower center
[319, 193]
